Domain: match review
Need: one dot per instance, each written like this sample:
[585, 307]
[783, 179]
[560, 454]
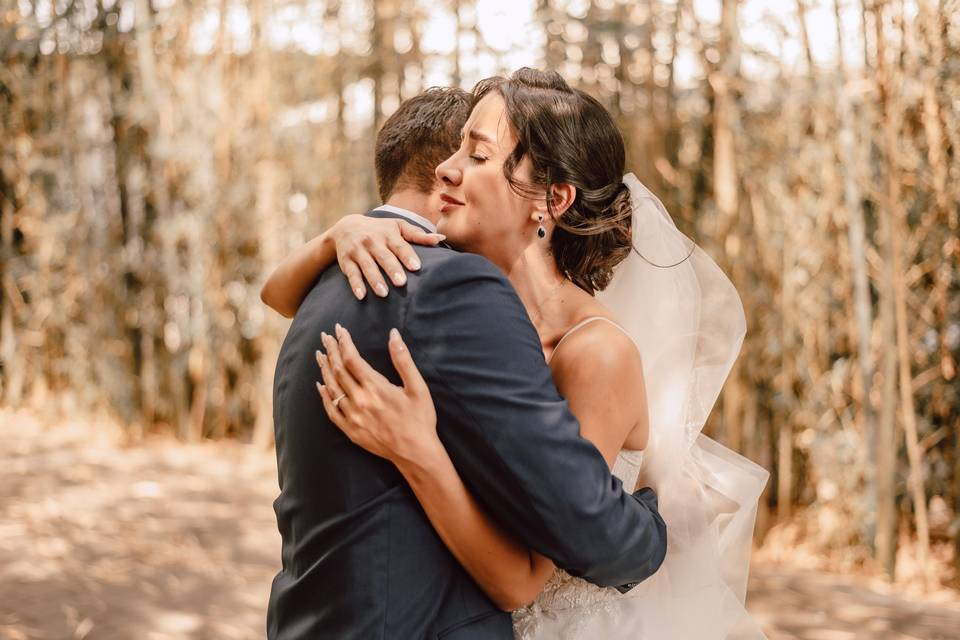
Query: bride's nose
[448, 173]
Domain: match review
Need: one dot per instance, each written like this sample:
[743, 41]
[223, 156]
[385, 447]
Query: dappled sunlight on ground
[155, 541]
[163, 540]
[808, 605]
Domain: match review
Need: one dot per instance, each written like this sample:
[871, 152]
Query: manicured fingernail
[399, 278]
[439, 236]
[318, 355]
[359, 293]
[396, 339]
[414, 264]
[381, 290]
[338, 329]
[319, 387]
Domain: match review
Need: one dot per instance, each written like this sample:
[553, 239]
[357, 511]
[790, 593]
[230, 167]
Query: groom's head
[423, 132]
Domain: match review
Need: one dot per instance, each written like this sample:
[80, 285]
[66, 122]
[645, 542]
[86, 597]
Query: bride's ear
[563, 194]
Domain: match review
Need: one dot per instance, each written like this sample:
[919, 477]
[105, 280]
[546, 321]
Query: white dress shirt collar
[410, 215]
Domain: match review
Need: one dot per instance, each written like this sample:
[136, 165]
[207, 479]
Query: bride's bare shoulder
[598, 367]
[599, 345]
[594, 345]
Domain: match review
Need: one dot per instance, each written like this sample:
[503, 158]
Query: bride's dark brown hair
[569, 138]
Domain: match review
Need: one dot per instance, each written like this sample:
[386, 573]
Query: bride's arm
[399, 423]
[361, 245]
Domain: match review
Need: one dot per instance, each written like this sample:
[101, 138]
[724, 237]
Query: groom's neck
[423, 204]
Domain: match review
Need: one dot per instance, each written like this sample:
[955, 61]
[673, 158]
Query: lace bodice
[574, 599]
[627, 468]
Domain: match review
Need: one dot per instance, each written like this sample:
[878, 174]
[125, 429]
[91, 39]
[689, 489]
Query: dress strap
[580, 324]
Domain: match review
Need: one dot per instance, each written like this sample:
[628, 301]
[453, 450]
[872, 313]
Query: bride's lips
[448, 202]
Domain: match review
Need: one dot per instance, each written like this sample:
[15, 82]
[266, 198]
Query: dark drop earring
[540, 230]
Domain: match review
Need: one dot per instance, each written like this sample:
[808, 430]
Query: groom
[360, 558]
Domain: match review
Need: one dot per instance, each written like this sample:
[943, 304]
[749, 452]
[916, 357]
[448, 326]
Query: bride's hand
[396, 423]
[363, 243]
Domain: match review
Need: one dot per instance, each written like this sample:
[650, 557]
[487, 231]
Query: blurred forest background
[159, 157]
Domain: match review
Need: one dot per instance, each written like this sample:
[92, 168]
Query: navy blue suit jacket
[360, 558]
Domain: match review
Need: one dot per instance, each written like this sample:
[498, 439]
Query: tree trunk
[725, 114]
[886, 438]
[850, 156]
[11, 383]
[457, 79]
[268, 215]
[894, 215]
[942, 212]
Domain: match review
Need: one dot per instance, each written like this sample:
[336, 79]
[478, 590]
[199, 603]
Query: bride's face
[480, 213]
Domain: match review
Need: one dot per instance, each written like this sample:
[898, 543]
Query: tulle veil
[688, 322]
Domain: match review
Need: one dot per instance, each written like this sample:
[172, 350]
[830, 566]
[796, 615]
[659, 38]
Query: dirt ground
[163, 540]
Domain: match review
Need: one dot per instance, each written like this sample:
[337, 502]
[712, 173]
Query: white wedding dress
[571, 608]
[688, 323]
[663, 607]
[568, 605]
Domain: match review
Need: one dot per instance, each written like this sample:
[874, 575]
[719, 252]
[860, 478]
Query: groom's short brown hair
[423, 132]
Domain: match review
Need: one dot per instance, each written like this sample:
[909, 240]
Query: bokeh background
[159, 157]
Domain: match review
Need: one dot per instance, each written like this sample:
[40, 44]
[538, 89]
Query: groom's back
[360, 559]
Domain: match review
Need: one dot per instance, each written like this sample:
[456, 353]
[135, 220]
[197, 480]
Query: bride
[639, 328]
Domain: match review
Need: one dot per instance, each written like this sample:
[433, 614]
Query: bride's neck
[537, 279]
